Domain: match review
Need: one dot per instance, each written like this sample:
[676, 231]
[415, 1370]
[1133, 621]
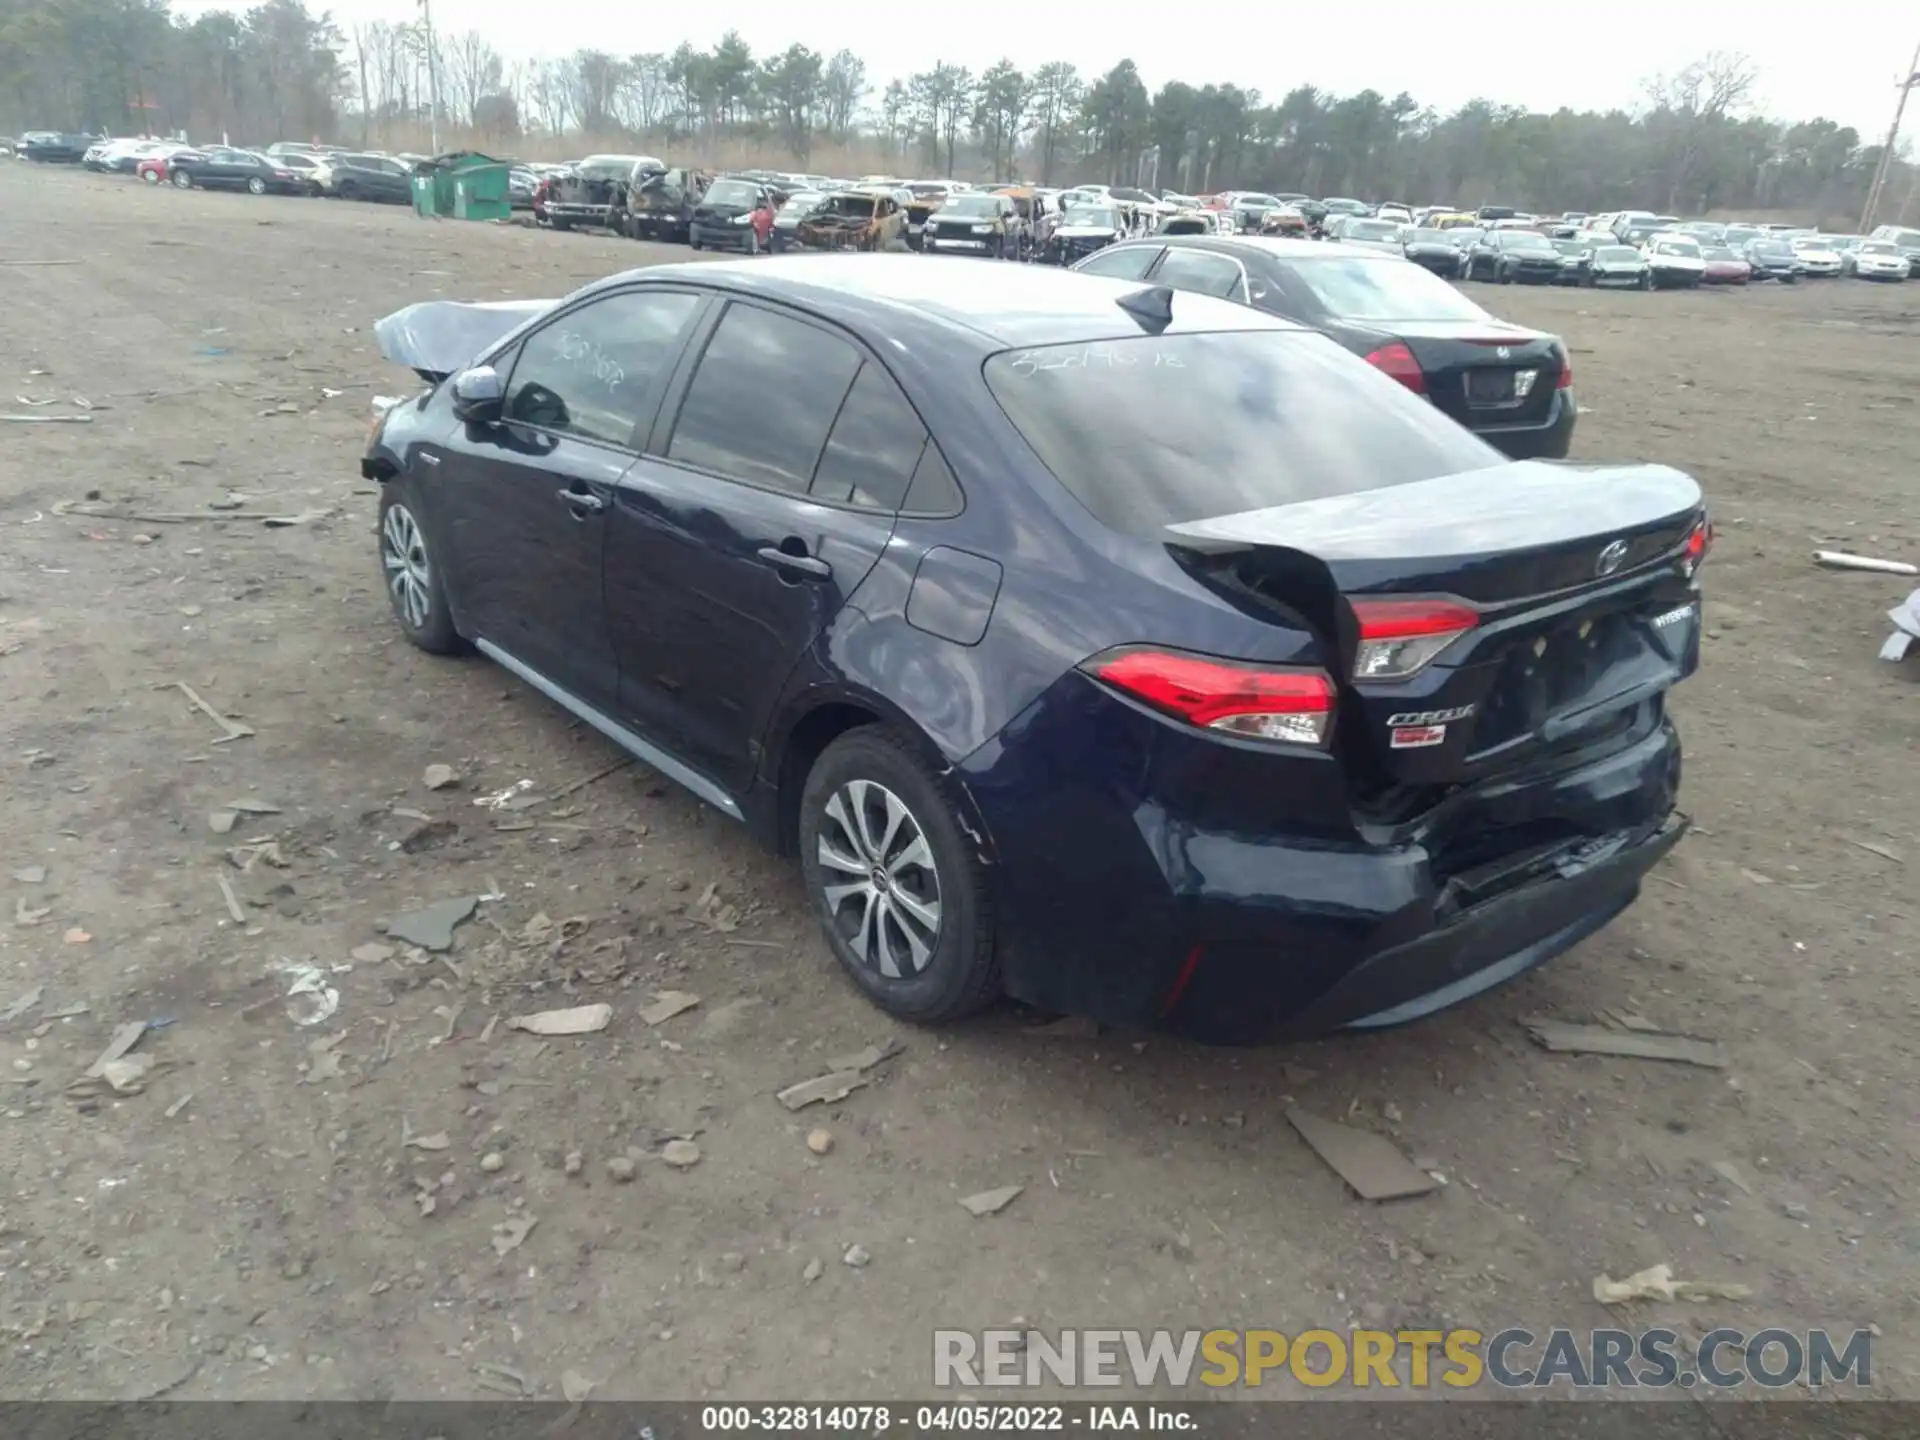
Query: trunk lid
[1485, 372]
[1581, 609]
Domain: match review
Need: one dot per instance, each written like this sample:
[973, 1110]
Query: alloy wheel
[887, 905]
[403, 553]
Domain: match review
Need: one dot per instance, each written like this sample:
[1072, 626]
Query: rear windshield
[731, 192]
[1154, 431]
[1382, 290]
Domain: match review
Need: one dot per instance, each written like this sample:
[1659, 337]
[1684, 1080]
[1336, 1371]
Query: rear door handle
[584, 501]
[807, 566]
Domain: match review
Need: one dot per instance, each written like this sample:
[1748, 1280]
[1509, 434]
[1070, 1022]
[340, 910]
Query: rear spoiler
[437, 337]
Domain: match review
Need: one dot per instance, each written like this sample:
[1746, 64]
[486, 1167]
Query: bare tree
[470, 71]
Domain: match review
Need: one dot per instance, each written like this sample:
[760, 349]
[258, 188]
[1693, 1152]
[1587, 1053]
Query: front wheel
[898, 889]
[256, 186]
[152, 177]
[411, 570]
[182, 180]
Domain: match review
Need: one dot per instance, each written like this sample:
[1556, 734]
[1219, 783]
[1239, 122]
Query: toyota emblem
[1611, 558]
[1503, 353]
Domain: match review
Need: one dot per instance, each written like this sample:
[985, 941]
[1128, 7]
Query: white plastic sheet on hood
[437, 337]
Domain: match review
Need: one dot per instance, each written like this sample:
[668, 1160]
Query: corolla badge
[1611, 558]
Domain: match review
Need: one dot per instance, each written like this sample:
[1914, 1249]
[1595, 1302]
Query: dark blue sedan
[1131, 652]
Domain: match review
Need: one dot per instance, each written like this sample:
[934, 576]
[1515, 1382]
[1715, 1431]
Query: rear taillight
[1699, 541]
[1397, 361]
[1399, 637]
[1565, 382]
[1251, 702]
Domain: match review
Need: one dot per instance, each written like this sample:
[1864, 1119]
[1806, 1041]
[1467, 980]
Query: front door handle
[808, 566]
[583, 501]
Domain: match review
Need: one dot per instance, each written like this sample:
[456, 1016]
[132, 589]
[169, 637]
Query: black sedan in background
[1575, 257]
[51, 147]
[1616, 267]
[1131, 652]
[1511, 386]
[1772, 260]
[217, 169]
[1437, 250]
[1507, 256]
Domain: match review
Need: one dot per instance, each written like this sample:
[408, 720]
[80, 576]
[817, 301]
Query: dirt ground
[257, 1222]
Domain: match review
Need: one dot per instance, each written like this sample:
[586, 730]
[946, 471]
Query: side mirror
[478, 394]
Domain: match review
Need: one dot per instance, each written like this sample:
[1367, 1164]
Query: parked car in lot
[977, 224]
[54, 147]
[216, 168]
[1818, 259]
[1382, 235]
[1618, 267]
[1905, 240]
[1575, 256]
[786, 220]
[1082, 230]
[734, 214]
[379, 178]
[1674, 261]
[1510, 385]
[1087, 642]
[1507, 256]
[156, 168]
[1723, 267]
[1772, 260]
[1434, 250]
[1877, 260]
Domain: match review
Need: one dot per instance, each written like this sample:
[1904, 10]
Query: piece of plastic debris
[440, 777]
[668, 1004]
[438, 1140]
[1371, 1164]
[432, 927]
[127, 1074]
[577, 1020]
[221, 822]
[1656, 1282]
[19, 1007]
[575, 1387]
[502, 799]
[1840, 560]
[31, 874]
[124, 1038]
[310, 999]
[857, 1256]
[821, 1089]
[1639, 1045]
[866, 1059]
[76, 936]
[512, 1232]
[1906, 621]
[991, 1202]
[25, 914]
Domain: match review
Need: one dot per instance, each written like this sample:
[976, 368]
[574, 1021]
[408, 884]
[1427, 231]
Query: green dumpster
[465, 185]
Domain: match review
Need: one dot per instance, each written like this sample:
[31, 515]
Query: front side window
[593, 373]
[767, 392]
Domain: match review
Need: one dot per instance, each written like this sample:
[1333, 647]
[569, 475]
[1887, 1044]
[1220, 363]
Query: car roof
[1002, 305]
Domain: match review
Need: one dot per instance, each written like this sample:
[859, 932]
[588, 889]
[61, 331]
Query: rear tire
[152, 177]
[182, 180]
[256, 186]
[866, 789]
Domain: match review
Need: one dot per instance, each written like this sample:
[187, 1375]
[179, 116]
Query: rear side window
[875, 446]
[1202, 273]
[767, 392]
[1154, 431]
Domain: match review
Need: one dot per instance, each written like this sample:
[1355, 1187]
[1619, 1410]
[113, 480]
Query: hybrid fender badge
[1417, 718]
[1611, 558]
[1417, 737]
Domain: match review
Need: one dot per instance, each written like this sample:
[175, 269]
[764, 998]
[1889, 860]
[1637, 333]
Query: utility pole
[433, 75]
[1885, 167]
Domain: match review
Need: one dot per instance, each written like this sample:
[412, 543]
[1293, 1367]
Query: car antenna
[1151, 307]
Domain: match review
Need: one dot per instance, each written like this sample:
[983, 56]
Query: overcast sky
[1839, 60]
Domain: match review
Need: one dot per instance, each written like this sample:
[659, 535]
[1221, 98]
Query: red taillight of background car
[1250, 702]
[1565, 382]
[1399, 638]
[1699, 542]
[1397, 361]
